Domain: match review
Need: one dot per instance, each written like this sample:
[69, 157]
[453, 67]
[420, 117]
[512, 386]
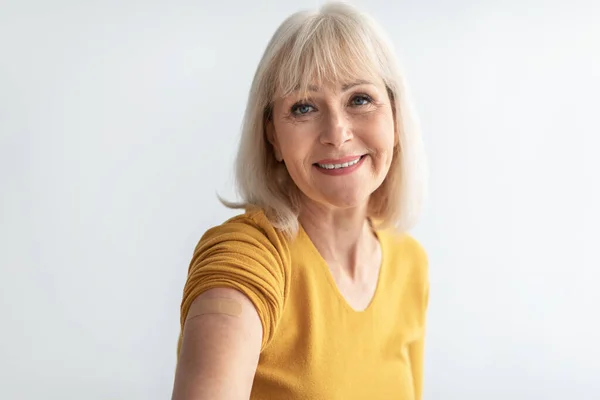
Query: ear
[272, 138]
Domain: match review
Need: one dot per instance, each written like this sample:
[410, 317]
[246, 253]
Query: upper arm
[219, 352]
[248, 261]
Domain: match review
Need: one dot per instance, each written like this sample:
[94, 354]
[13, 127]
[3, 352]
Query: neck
[343, 237]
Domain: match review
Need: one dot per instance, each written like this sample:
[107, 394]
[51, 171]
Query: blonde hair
[334, 44]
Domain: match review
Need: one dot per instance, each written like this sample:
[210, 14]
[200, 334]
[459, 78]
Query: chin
[341, 196]
[346, 200]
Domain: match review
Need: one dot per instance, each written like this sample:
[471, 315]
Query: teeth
[338, 166]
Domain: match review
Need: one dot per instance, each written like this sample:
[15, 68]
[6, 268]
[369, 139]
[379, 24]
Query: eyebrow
[356, 83]
[345, 88]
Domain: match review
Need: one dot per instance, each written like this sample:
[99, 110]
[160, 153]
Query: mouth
[339, 164]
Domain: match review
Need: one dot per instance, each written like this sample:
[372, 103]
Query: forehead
[332, 84]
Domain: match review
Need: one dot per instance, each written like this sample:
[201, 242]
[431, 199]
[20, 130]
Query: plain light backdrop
[119, 122]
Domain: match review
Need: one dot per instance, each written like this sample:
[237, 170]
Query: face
[337, 144]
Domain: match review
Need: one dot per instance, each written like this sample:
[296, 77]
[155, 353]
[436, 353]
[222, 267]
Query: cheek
[381, 137]
[295, 145]
[388, 131]
[294, 138]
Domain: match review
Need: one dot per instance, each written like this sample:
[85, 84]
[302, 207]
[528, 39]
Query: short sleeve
[248, 254]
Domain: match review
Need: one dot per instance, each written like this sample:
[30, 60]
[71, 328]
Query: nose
[336, 129]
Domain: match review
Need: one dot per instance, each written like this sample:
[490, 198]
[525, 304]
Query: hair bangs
[326, 52]
[332, 46]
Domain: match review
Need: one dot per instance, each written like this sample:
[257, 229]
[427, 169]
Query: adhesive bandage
[216, 305]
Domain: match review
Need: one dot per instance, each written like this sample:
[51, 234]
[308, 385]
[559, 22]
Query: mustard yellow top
[315, 346]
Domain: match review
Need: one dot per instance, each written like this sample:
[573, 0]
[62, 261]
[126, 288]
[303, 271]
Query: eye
[301, 108]
[360, 100]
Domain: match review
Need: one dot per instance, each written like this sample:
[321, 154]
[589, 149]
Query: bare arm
[219, 352]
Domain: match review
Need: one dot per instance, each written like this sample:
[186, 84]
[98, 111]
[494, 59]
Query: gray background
[119, 122]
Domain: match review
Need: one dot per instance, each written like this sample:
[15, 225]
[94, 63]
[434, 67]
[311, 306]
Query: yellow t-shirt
[315, 346]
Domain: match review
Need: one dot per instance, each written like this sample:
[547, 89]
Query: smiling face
[336, 142]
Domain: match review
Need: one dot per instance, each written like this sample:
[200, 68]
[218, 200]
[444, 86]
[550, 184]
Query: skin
[354, 118]
[219, 352]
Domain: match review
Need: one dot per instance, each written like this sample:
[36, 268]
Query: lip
[339, 160]
[340, 171]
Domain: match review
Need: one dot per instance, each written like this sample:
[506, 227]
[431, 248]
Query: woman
[315, 291]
